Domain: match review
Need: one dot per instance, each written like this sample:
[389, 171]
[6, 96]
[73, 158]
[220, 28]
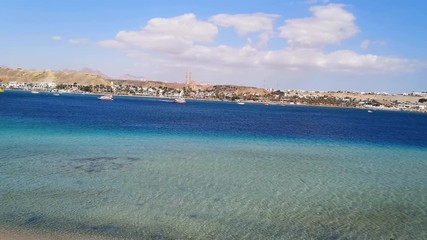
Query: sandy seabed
[25, 234]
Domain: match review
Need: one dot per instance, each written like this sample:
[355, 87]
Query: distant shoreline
[246, 102]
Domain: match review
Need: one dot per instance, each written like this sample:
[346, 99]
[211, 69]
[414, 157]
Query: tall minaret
[188, 78]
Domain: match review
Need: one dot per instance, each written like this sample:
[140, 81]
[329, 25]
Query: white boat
[240, 103]
[369, 111]
[106, 97]
[179, 100]
[35, 92]
[56, 94]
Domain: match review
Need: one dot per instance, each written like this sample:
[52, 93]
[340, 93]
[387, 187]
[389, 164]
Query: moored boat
[106, 97]
[179, 100]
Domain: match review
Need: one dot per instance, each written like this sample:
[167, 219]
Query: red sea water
[148, 168]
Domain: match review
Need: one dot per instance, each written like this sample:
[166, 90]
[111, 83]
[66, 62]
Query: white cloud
[248, 23]
[185, 26]
[167, 44]
[341, 61]
[329, 24]
[223, 56]
[296, 59]
[56, 38]
[167, 35]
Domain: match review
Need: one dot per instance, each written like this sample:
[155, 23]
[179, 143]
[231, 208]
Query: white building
[16, 85]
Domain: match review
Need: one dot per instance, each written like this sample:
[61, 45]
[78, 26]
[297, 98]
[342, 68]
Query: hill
[20, 75]
[92, 77]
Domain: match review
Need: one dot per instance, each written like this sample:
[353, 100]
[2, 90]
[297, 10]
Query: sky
[354, 45]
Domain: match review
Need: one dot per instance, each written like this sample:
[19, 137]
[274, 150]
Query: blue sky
[360, 45]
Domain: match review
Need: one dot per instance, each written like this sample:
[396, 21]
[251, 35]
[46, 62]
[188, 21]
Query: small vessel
[370, 111]
[240, 103]
[56, 94]
[179, 100]
[35, 92]
[106, 97]
[1, 90]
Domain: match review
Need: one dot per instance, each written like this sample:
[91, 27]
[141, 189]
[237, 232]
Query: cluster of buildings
[29, 86]
[416, 102]
[384, 101]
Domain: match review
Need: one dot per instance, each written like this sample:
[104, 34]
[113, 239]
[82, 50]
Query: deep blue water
[142, 168]
[145, 115]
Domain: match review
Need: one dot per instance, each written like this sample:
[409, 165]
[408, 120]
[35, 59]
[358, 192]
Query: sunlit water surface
[148, 168]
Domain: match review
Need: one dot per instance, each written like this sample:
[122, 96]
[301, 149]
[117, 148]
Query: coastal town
[189, 89]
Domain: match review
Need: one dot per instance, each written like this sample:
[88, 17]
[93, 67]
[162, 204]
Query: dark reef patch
[34, 220]
[101, 164]
[111, 230]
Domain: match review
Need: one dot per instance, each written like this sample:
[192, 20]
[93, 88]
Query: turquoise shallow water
[80, 178]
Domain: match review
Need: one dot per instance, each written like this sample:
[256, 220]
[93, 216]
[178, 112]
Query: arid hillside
[70, 77]
[223, 88]
[19, 75]
[140, 83]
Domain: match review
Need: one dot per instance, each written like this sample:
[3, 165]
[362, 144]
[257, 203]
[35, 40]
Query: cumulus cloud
[296, 59]
[329, 24]
[337, 61]
[223, 55]
[248, 23]
[187, 41]
[185, 26]
[167, 35]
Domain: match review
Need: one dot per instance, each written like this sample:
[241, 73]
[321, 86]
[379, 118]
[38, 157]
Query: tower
[188, 78]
